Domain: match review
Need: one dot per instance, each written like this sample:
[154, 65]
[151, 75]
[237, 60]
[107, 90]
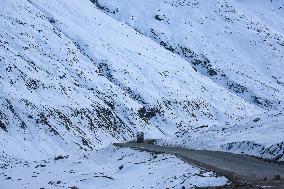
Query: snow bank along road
[234, 166]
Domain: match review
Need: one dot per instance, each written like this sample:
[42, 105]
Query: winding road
[242, 170]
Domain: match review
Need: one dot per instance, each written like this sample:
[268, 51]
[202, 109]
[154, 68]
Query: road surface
[239, 169]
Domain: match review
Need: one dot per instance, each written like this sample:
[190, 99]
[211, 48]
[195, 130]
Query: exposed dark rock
[157, 17]
[60, 157]
[3, 126]
[147, 113]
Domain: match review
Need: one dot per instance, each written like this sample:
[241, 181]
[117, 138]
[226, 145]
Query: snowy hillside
[238, 44]
[79, 76]
[86, 80]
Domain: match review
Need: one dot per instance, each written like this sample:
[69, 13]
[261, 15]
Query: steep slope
[238, 45]
[74, 78]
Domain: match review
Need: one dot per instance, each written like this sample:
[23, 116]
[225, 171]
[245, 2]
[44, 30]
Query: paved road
[238, 168]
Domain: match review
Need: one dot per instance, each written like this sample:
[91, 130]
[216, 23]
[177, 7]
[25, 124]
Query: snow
[250, 137]
[87, 89]
[238, 45]
[76, 77]
[108, 168]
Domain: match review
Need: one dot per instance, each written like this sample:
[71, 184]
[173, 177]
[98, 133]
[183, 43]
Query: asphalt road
[239, 169]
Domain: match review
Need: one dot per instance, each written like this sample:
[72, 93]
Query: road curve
[237, 168]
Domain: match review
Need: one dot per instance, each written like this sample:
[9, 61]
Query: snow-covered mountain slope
[238, 45]
[73, 77]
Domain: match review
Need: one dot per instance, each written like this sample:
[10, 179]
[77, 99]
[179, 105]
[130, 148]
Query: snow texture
[108, 168]
[79, 76]
[239, 45]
